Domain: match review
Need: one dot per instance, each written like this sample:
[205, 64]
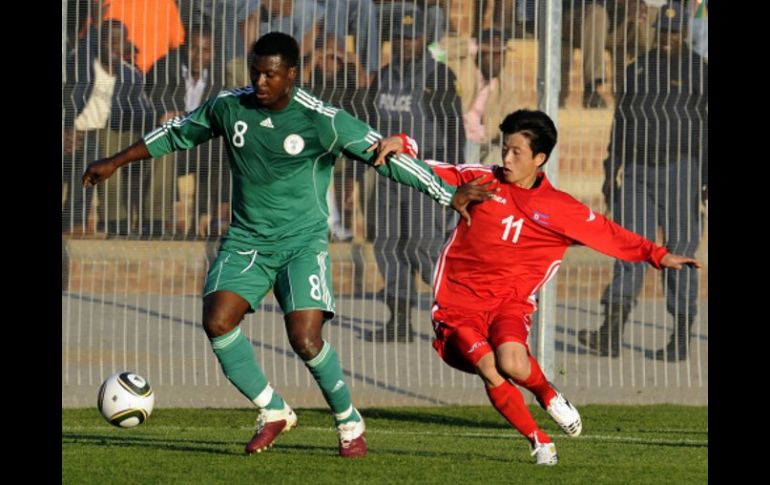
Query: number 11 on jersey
[509, 223]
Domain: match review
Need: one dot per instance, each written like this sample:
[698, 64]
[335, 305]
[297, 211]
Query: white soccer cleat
[565, 415]
[544, 453]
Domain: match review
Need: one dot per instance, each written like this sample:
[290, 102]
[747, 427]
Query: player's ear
[292, 73]
[540, 159]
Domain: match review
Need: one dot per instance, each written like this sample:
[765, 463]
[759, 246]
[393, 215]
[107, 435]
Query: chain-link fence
[632, 121]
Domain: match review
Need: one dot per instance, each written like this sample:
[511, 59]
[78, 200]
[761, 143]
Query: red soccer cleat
[352, 439]
[270, 424]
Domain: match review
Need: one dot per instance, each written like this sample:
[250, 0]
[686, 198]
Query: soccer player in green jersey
[282, 143]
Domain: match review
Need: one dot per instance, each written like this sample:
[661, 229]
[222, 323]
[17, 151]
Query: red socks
[538, 384]
[509, 402]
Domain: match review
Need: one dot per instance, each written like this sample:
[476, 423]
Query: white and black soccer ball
[126, 399]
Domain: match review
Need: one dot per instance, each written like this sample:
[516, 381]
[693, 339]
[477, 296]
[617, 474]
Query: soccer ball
[126, 399]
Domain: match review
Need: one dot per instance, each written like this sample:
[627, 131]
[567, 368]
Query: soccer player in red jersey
[495, 261]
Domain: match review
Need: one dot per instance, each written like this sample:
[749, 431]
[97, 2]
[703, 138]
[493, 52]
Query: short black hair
[536, 126]
[277, 44]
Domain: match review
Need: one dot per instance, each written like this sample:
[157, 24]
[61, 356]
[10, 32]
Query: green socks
[327, 372]
[236, 356]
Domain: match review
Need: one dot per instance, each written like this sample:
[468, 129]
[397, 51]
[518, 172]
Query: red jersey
[517, 239]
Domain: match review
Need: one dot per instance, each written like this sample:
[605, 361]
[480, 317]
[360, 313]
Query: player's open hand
[473, 191]
[675, 261]
[98, 171]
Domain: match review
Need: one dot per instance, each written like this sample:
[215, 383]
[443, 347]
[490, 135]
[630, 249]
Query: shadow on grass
[225, 447]
[200, 446]
[384, 452]
[422, 417]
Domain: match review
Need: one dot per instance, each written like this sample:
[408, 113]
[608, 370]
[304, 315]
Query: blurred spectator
[76, 22]
[298, 18]
[153, 28]
[107, 104]
[436, 20]
[526, 16]
[223, 17]
[435, 17]
[660, 140]
[177, 84]
[625, 27]
[358, 18]
[486, 98]
[456, 43]
[412, 94]
[499, 15]
[463, 17]
[79, 145]
[698, 33]
[334, 77]
[83, 31]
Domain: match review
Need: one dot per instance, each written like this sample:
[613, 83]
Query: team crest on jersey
[293, 144]
[541, 218]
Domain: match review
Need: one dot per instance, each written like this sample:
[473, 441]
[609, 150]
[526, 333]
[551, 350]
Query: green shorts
[300, 279]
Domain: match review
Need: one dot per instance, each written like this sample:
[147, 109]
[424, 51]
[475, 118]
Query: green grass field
[619, 444]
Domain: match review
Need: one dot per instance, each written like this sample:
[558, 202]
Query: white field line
[369, 431]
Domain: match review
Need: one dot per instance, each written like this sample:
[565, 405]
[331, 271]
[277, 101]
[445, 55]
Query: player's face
[519, 164]
[272, 81]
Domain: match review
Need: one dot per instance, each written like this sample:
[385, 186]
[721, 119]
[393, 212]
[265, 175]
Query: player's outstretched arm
[179, 133]
[392, 145]
[675, 261]
[467, 193]
[103, 169]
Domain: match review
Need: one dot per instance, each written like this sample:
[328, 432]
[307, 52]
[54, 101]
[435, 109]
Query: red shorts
[463, 337]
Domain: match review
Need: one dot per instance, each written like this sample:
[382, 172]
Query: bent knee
[517, 369]
[222, 312]
[487, 370]
[216, 327]
[305, 346]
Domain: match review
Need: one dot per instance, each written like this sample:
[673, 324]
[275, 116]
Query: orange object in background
[154, 27]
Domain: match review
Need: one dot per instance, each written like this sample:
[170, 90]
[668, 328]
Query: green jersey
[282, 164]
